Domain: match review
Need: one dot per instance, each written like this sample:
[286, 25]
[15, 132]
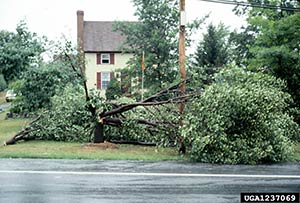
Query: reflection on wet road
[34, 180]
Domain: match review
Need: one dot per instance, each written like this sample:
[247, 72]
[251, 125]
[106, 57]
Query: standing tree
[244, 40]
[274, 42]
[276, 51]
[213, 51]
[156, 33]
[18, 50]
[39, 84]
[241, 42]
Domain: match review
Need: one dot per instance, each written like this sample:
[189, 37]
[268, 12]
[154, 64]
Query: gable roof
[99, 36]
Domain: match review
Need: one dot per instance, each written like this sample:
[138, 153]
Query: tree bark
[99, 133]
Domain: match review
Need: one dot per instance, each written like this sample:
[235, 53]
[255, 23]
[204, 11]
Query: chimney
[80, 40]
[80, 15]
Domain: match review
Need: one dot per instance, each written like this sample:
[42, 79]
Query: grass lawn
[2, 97]
[66, 150]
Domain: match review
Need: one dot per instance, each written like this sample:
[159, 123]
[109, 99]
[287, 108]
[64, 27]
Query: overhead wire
[255, 5]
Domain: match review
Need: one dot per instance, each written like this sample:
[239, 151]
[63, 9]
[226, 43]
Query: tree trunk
[99, 133]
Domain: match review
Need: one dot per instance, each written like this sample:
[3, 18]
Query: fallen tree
[159, 99]
[106, 114]
[22, 135]
[113, 115]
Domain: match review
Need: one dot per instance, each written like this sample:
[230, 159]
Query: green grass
[62, 150]
[2, 97]
[9, 127]
[66, 150]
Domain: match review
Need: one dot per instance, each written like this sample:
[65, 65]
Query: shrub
[113, 90]
[241, 119]
[3, 84]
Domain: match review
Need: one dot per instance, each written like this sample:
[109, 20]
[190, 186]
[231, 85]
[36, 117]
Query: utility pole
[182, 70]
[143, 73]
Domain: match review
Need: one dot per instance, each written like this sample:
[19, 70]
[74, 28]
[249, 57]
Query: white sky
[58, 17]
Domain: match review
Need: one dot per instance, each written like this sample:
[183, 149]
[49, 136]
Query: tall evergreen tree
[213, 51]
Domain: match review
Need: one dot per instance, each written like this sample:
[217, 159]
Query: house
[100, 47]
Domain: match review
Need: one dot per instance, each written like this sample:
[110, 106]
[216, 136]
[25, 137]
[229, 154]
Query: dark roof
[100, 37]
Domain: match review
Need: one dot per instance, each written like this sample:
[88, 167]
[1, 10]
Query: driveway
[42, 180]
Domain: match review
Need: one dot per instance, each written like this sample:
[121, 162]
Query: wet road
[35, 180]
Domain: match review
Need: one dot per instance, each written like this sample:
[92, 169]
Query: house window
[105, 58]
[105, 79]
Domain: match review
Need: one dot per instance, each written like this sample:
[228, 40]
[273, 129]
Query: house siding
[92, 68]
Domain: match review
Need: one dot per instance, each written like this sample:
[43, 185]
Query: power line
[254, 5]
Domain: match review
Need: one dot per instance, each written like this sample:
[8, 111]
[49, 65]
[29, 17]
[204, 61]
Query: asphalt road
[36, 180]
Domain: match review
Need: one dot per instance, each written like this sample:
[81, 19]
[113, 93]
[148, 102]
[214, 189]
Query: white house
[101, 47]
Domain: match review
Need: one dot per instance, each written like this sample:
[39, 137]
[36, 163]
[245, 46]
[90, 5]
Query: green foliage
[18, 50]
[240, 45]
[212, 52]
[3, 83]
[271, 14]
[39, 84]
[271, 44]
[156, 34]
[113, 90]
[68, 118]
[131, 130]
[241, 119]
[276, 51]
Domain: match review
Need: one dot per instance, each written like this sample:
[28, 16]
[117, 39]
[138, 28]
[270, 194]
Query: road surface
[42, 180]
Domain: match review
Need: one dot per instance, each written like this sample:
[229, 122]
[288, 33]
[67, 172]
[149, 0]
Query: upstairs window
[105, 58]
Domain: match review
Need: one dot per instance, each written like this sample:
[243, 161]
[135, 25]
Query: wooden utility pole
[182, 70]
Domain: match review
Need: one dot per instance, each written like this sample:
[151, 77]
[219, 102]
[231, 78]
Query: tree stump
[99, 133]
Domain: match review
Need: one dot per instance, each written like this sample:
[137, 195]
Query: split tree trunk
[99, 133]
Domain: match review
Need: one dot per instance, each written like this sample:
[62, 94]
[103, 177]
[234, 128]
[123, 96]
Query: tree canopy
[213, 51]
[273, 45]
[155, 33]
[18, 50]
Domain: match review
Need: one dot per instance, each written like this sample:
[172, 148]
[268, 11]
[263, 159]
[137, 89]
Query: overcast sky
[54, 18]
